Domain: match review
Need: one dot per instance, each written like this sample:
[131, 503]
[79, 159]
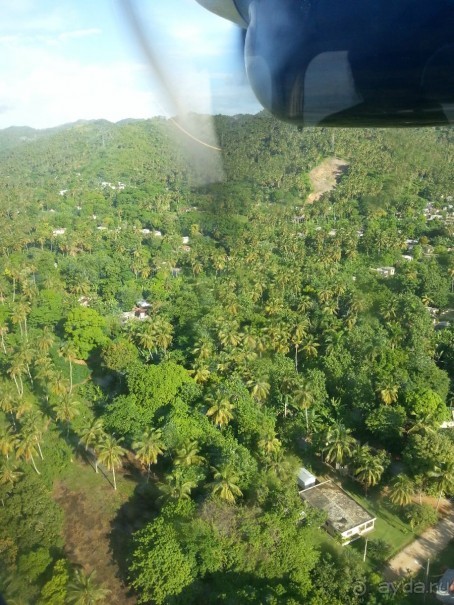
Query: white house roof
[343, 512]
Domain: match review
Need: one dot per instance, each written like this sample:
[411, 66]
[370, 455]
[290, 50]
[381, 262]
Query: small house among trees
[346, 518]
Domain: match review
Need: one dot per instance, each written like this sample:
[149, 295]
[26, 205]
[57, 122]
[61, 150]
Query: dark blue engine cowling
[352, 62]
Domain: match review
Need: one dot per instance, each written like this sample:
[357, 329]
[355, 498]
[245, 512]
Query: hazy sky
[77, 59]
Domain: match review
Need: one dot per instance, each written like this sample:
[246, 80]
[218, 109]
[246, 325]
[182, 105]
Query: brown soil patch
[325, 177]
[87, 542]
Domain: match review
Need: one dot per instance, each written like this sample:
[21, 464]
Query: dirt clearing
[325, 177]
[87, 531]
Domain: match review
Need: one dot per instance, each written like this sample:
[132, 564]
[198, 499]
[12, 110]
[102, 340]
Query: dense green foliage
[227, 325]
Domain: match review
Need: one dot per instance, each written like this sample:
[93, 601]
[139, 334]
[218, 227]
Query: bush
[378, 549]
[420, 516]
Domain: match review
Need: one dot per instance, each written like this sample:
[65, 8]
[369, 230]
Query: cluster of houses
[446, 214]
[141, 311]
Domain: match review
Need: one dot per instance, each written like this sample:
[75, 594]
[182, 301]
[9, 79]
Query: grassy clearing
[97, 487]
[91, 507]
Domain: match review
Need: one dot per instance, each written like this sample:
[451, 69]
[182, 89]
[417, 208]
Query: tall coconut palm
[401, 490]
[442, 477]
[82, 590]
[36, 424]
[58, 385]
[147, 338]
[221, 412]
[299, 334]
[69, 353]
[303, 399]
[110, 454]
[8, 403]
[66, 409]
[203, 349]
[339, 444]
[260, 388]
[91, 433]
[27, 449]
[225, 484]
[310, 346]
[16, 370]
[164, 333]
[148, 447]
[3, 333]
[8, 443]
[188, 454]
[45, 340]
[91, 436]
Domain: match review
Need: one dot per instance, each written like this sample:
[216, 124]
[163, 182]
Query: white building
[346, 518]
[305, 478]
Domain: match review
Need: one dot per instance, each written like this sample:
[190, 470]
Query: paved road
[427, 546]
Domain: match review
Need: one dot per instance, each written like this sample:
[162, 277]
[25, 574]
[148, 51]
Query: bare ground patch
[325, 177]
[87, 540]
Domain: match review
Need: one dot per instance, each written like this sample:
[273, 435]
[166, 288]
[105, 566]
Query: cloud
[80, 33]
[55, 90]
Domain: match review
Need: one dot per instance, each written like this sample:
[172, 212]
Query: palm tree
[299, 333]
[368, 467]
[303, 399]
[164, 331]
[58, 385]
[3, 333]
[149, 447]
[92, 435]
[260, 388]
[66, 409]
[8, 443]
[269, 444]
[310, 347]
[338, 445]
[68, 352]
[401, 490]
[176, 488]
[225, 484]
[9, 475]
[15, 371]
[188, 454]
[26, 449]
[443, 478]
[203, 349]
[147, 338]
[221, 412]
[8, 400]
[388, 393]
[82, 590]
[110, 454]
[36, 424]
[201, 373]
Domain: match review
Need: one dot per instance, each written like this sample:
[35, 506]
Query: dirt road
[414, 557]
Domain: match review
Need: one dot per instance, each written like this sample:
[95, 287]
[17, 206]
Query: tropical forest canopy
[214, 334]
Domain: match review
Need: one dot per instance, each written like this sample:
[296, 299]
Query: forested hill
[199, 338]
